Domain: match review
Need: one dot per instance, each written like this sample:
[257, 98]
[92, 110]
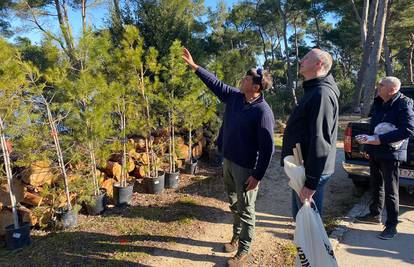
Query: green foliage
[162, 22]
[281, 102]
[346, 88]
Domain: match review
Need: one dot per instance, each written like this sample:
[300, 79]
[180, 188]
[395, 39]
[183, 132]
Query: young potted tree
[174, 83]
[90, 121]
[13, 115]
[196, 108]
[140, 75]
[149, 84]
[126, 89]
[68, 215]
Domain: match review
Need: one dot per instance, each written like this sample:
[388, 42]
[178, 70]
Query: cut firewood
[134, 154]
[117, 157]
[101, 178]
[114, 169]
[27, 215]
[17, 188]
[179, 163]
[182, 151]
[107, 184]
[139, 171]
[180, 140]
[32, 199]
[143, 158]
[130, 165]
[140, 144]
[6, 219]
[63, 201]
[38, 174]
[197, 151]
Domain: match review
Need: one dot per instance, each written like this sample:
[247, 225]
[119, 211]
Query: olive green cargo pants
[242, 203]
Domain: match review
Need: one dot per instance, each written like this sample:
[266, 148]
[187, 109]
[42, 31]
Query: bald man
[392, 123]
[314, 125]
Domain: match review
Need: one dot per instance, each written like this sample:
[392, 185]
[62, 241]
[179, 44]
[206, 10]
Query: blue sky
[95, 16]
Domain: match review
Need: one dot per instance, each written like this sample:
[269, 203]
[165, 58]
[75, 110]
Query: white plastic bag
[386, 127]
[295, 172]
[312, 242]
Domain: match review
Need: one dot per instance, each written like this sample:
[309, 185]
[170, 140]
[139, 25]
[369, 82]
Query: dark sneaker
[368, 218]
[232, 246]
[388, 233]
[239, 260]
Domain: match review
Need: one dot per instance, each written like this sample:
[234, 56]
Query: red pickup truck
[356, 159]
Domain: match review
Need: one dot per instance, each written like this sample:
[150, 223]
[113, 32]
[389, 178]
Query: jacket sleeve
[321, 123]
[405, 124]
[266, 144]
[220, 89]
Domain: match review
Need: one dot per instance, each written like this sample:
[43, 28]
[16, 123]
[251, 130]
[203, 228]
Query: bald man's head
[315, 63]
[324, 57]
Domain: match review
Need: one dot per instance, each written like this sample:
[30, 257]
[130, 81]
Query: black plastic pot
[17, 238]
[155, 185]
[122, 195]
[98, 205]
[191, 168]
[67, 219]
[171, 179]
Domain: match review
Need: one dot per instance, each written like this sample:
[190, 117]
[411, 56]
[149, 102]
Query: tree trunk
[296, 55]
[362, 20]
[9, 174]
[94, 169]
[190, 146]
[387, 52]
[123, 177]
[365, 54]
[171, 158]
[58, 152]
[84, 16]
[318, 30]
[118, 14]
[374, 57]
[287, 53]
[387, 58]
[66, 31]
[410, 60]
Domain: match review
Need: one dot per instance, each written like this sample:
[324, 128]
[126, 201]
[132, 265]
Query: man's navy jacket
[398, 111]
[247, 133]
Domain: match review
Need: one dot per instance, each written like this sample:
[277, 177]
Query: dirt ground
[274, 227]
[184, 227]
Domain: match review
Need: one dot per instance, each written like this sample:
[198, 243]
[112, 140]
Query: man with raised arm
[247, 147]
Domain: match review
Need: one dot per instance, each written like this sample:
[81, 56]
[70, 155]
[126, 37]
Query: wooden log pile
[29, 187]
[37, 195]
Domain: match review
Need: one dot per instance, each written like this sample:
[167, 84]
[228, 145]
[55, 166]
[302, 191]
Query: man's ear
[256, 88]
[319, 63]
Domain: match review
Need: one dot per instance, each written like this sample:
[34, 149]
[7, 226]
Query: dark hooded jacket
[399, 112]
[314, 124]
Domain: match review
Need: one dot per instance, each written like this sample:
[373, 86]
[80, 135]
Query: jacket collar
[390, 102]
[310, 84]
[259, 99]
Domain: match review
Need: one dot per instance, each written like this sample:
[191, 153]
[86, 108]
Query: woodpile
[37, 196]
[38, 174]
